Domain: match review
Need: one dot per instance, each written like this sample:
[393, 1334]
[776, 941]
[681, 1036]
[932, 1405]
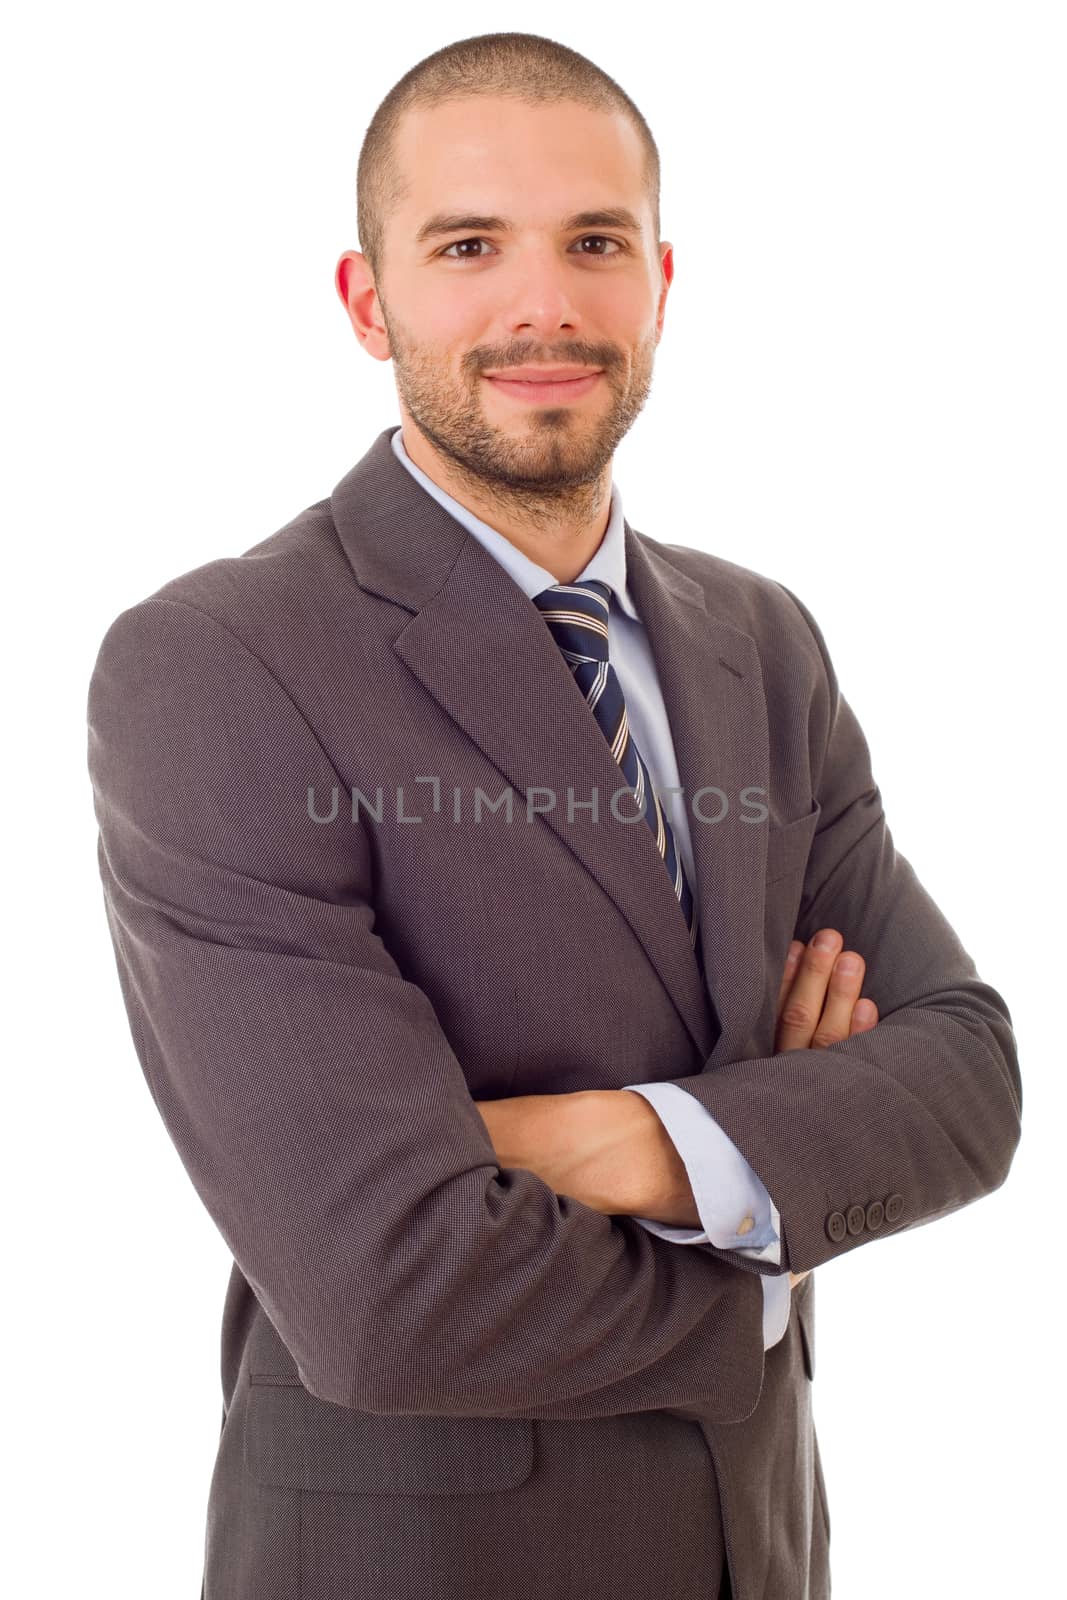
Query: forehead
[499, 153]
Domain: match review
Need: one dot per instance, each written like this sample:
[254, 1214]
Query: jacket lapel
[482, 650]
[709, 675]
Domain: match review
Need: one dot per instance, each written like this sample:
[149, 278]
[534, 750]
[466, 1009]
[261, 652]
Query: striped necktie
[577, 617]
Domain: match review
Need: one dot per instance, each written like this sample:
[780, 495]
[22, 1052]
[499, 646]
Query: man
[524, 1133]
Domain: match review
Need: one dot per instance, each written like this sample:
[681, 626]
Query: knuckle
[825, 1036]
[797, 1015]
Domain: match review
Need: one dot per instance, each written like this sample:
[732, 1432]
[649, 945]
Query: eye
[602, 238]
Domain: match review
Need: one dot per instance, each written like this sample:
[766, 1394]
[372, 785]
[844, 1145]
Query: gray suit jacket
[439, 1377]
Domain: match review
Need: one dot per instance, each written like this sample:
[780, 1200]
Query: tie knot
[577, 617]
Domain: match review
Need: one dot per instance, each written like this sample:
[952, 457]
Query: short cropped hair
[524, 66]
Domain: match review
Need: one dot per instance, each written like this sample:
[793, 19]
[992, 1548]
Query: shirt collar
[608, 561]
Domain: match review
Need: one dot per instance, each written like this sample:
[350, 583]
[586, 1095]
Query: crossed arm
[278, 1032]
[608, 1147]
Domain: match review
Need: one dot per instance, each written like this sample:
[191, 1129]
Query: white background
[860, 391]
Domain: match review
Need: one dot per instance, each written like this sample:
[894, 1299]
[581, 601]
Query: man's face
[478, 298]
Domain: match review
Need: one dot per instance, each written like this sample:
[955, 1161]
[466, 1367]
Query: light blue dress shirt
[735, 1209]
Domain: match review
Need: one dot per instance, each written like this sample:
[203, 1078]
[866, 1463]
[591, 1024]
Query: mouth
[561, 390]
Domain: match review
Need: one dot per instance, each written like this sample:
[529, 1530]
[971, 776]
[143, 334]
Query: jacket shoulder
[274, 596]
[272, 576]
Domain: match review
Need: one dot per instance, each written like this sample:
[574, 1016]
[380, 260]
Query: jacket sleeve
[315, 1102]
[921, 1115]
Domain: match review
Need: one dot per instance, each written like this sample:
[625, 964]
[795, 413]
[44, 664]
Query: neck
[560, 530]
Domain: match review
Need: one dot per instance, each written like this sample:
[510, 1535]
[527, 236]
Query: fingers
[819, 996]
[796, 950]
[842, 994]
[797, 1277]
[802, 1010]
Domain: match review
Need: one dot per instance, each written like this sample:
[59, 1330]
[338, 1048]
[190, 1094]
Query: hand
[819, 1004]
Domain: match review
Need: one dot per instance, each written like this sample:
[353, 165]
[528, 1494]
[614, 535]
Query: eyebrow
[446, 222]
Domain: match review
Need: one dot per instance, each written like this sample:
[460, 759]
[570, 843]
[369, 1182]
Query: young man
[473, 1040]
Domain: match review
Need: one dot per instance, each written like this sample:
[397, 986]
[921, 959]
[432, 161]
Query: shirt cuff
[729, 1197]
[734, 1208]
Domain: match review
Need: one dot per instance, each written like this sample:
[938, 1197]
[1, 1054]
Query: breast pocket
[293, 1440]
[788, 849]
[789, 845]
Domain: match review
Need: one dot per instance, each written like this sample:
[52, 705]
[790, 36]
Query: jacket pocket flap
[293, 1440]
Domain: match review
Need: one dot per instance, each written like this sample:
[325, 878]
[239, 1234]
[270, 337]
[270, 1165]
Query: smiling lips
[560, 374]
[562, 387]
